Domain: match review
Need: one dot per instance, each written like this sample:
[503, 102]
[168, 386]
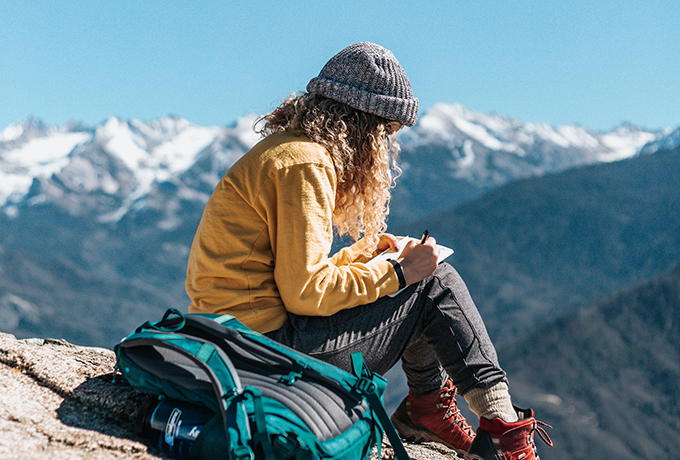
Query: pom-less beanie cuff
[369, 78]
[405, 111]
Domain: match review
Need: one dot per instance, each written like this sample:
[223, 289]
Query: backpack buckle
[365, 386]
[243, 453]
[293, 375]
[287, 444]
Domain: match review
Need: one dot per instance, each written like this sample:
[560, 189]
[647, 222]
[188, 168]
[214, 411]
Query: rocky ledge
[58, 401]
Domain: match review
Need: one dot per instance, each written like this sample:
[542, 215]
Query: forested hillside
[537, 248]
[607, 377]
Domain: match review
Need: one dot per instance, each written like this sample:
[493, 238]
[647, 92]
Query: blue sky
[592, 62]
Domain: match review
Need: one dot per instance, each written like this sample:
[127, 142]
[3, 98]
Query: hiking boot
[500, 440]
[434, 418]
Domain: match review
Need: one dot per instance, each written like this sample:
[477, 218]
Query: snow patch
[544, 131]
[176, 248]
[114, 216]
[40, 157]
[549, 398]
[11, 211]
[14, 309]
[46, 150]
[178, 154]
[169, 223]
[623, 145]
[244, 130]
[443, 118]
[468, 154]
[11, 133]
[578, 137]
[122, 142]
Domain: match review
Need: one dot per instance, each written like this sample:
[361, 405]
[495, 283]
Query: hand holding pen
[418, 260]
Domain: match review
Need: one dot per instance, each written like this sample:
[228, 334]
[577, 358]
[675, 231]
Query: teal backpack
[266, 401]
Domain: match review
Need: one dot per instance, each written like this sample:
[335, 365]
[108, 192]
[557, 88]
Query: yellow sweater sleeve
[349, 254]
[300, 202]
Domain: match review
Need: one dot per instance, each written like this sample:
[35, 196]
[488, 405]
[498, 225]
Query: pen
[426, 233]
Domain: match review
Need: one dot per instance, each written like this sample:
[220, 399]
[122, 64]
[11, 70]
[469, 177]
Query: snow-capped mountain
[117, 167]
[468, 131]
[482, 145]
[454, 154]
[108, 168]
[667, 142]
[109, 212]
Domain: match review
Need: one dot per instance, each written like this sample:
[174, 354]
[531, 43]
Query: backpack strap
[371, 386]
[168, 323]
[260, 436]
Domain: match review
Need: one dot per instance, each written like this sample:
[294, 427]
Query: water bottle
[172, 426]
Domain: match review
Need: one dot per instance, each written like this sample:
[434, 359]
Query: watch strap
[400, 273]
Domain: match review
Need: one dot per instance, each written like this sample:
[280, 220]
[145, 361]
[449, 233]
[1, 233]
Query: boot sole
[416, 435]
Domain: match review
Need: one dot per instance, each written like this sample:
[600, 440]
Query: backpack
[269, 401]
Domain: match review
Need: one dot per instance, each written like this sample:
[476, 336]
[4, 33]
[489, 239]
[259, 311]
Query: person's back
[232, 260]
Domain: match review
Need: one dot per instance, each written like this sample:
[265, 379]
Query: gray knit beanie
[369, 78]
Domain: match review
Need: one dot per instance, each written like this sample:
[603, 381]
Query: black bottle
[172, 426]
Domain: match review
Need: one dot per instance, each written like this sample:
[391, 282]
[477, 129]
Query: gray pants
[433, 327]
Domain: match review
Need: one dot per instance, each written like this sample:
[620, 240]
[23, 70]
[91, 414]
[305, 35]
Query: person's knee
[446, 271]
[448, 278]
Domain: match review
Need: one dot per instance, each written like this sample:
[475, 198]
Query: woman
[261, 254]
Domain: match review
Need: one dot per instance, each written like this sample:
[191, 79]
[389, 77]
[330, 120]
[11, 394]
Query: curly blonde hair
[364, 153]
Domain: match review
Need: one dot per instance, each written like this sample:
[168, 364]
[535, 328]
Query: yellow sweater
[262, 246]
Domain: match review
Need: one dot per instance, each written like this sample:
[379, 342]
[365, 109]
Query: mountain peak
[669, 141]
[449, 122]
[12, 132]
[31, 127]
[244, 129]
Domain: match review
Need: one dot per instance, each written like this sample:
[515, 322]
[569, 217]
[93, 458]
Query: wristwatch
[400, 273]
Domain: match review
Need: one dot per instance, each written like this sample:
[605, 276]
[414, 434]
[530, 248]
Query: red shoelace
[449, 402]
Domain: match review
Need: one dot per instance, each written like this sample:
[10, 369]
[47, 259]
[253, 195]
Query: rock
[59, 401]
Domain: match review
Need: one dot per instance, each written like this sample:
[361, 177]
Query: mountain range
[459, 154]
[110, 171]
[576, 275]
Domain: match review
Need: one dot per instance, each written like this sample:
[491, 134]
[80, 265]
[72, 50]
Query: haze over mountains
[96, 224]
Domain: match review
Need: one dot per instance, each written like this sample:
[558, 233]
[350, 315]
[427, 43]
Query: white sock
[492, 402]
